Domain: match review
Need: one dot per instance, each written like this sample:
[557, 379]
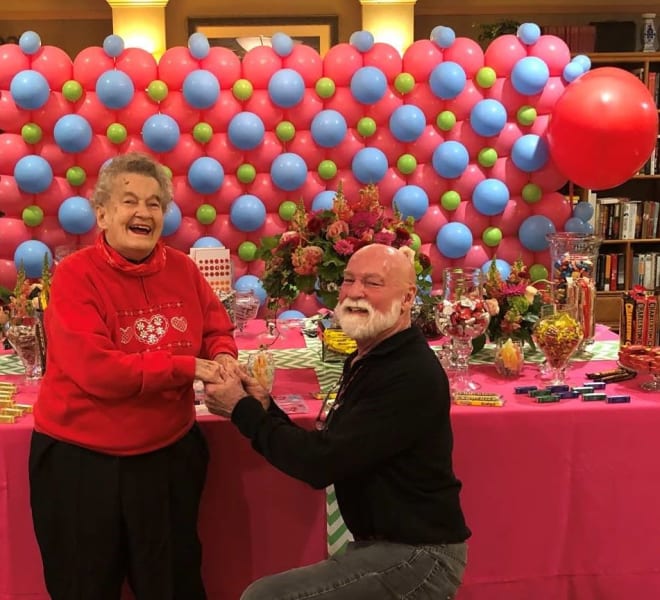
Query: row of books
[620, 218]
[610, 275]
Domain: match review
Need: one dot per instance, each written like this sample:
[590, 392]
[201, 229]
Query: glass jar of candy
[573, 269]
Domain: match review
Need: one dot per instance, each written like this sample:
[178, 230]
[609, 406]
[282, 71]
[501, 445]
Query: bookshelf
[628, 240]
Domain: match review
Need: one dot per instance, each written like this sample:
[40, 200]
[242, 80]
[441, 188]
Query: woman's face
[132, 217]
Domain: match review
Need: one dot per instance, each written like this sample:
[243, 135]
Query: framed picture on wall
[241, 34]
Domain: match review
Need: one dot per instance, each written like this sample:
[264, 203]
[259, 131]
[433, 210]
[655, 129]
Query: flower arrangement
[28, 296]
[311, 255]
[514, 303]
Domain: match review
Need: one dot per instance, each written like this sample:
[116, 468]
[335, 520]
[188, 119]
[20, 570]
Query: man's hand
[227, 361]
[223, 396]
[253, 388]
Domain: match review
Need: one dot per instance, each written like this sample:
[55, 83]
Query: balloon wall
[454, 136]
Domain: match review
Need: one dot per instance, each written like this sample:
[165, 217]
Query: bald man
[385, 443]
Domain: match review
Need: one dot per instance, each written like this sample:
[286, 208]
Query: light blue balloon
[30, 254]
[113, 45]
[443, 36]
[575, 225]
[407, 122]
[198, 46]
[208, 242]
[583, 60]
[447, 80]
[201, 89]
[172, 219]
[76, 215]
[72, 133]
[362, 40]
[324, 200]
[288, 171]
[290, 315]
[33, 174]
[29, 89]
[251, 283]
[247, 213]
[328, 128]
[529, 75]
[583, 210]
[450, 159]
[369, 165]
[282, 44]
[503, 267]
[115, 89]
[411, 201]
[206, 175]
[532, 232]
[529, 33]
[454, 240]
[488, 117]
[29, 42]
[246, 130]
[572, 71]
[490, 197]
[286, 88]
[530, 153]
[588, 228]
[160, 133]
[368, 85]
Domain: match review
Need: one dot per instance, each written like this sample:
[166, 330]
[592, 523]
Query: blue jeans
[371, 571]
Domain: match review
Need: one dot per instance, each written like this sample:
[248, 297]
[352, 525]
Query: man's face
[132, 217]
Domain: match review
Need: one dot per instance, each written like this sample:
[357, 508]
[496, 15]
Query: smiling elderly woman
[117, 462]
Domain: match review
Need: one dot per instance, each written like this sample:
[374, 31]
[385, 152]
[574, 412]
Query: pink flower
[289, 238]
[362, 221]
[305, 260]
[344, 247]
[492, 306]
[336, 230]
[385, 236]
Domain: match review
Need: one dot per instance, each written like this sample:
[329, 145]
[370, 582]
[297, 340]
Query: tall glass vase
[21, 332]
[462, 315]
[573, 259]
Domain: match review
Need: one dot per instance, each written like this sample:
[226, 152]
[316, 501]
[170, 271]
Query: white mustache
[359, 304]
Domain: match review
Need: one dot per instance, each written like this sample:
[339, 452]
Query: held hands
[234, 384]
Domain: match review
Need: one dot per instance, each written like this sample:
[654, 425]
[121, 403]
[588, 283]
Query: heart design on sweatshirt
[151, 331]
[179, 323]
[126, 334]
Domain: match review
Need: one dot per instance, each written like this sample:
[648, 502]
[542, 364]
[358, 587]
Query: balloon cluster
[455, 137]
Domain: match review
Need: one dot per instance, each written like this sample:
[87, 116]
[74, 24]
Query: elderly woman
[117, 462]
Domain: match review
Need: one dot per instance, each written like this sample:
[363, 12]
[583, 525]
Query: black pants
[100, 519]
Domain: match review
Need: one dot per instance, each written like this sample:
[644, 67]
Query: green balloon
[450, 200]
[287, 209]
[327, 169]
[31, 133]
[416, 242]
[242, 89]
[366, 126]
[206, 214]
[492, 236]
[406, 164]
[116, 133]
[246, 173]
[404, 83]
[325, 87]
[247, 251]
[33, 215]
[203, 132]
[537, 272]
[526, 115]
[531, 193]
[446, 120]
[72, 90]
[157, 90]
[486, 77]
[285, 131]
[76, 176]
[487, 157]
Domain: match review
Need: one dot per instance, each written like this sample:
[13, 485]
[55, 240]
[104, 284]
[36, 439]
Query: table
[560, 498]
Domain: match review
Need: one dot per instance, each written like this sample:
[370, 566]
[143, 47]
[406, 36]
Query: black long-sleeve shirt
[387, 446]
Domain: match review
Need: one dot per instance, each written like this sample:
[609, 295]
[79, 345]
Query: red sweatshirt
[122, 338]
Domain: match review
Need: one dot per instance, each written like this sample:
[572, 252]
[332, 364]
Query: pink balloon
[545, 102]
[239, 267]
[306, 61]
[261, 104]
[504, 141]
[503, 91]
[262, 187]
[340, 63]
[505, 170]
[12, 199]
[12, 149]
[343, 102]
[255, 267]
[58, 191]
[54, 64]
[425, 177]
[539, 126]
[224, 64]
[231, 189]
[223, 230]
[139, 65]
[554, 52]
[55, 108]
[175, 106]
[466, 183]
[86, 190]
[386, 57]
[344, 152]
[50, 232]
[89, 64]
[13, 232]
[87, 239]
[224, 110]
[463, 104]
[468, 214]
[272, 226]
[12, 61]
[265, 153]
[510, 249]
[186, 235]
[515, 212]
[313, 185]
[503, 53]
[307, 304]
[420, 58]
[304, 145]
[389, 185]
[556, 207]
[100, 150]
[303, 113]
[382, 110]
[186, 198]
[350, 185]
[542, 258]
[388, 144]
[467, 53]
[424, 146]
[138, 110]
[7, 268]
[12, 118]
[174, 65]
[186, 151]
[428, 226]
[135, 144]
[423, 97]
[477, 255]
[438, 261]
[224, 152]
[463, 133]
[259, 65]
[549, 178]
[96, 113]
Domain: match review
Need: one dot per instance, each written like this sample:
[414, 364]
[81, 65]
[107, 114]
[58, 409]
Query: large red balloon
[603, 128]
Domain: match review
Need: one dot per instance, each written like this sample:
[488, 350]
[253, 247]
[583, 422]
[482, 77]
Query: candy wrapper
[261, 365]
